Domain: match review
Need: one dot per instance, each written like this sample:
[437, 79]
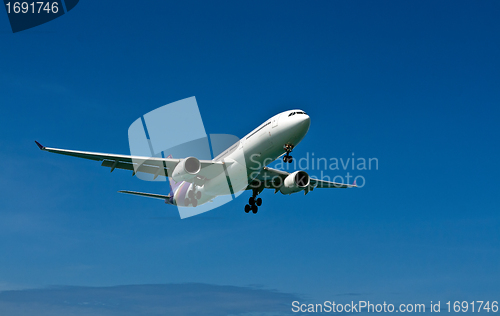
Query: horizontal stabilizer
[150, 195]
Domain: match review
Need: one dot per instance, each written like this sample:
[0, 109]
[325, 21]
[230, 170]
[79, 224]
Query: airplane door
[265, 141]
[275, 120]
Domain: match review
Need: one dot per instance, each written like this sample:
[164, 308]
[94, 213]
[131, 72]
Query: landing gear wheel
[247, 208]
[251, 200]
[195, 202]
[254, 209]
[287, 158]
[258, 202]
[191, 194]
[187, 201]
[198, 195]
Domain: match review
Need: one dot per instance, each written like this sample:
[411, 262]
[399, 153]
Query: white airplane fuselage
[248, 156]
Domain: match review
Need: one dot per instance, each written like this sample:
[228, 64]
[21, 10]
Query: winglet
[39, 145]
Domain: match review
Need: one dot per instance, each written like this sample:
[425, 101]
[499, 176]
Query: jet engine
[186, 169]
[295, 182]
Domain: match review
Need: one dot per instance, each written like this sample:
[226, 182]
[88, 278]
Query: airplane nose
[305, 122]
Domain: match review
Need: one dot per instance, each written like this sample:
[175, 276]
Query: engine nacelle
[187, 169]
[295, 182]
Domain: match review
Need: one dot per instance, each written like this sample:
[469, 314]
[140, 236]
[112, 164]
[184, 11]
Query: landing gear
[193, 197]
[287, 158]
[254, 202]
[254, 209]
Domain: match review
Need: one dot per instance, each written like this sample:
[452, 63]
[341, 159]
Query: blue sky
[413, 84]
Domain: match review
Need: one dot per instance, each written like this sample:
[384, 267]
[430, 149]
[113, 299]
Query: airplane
[194, 182]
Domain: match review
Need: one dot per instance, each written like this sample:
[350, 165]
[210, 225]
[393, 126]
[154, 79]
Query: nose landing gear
[287, 158]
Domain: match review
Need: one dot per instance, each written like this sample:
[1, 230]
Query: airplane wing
[151, 195]
[273, 179]
[153, 165]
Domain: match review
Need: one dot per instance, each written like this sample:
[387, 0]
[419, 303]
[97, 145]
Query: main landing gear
[287, 157]
[193, 197]
[253, 204]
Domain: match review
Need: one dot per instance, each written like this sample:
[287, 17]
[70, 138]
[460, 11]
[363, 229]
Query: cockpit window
[299, 112]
